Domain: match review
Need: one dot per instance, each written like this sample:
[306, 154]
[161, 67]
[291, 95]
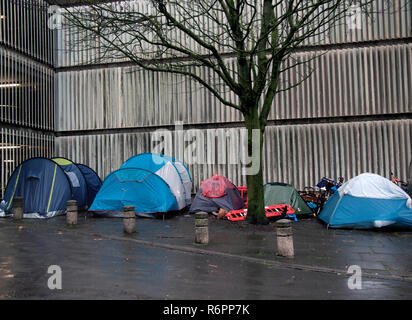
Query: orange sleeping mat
[271, 211]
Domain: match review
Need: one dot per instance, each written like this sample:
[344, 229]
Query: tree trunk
[254, 178]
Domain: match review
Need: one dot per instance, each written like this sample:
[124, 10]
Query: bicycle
[316, 199]
[402, 184]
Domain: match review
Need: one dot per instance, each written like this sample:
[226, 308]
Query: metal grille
[26, 84]
[26, 91]
[24, 27]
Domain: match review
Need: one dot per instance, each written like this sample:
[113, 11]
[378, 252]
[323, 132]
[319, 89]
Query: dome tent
[215, 193]
[46, 185]
[171, 170]
[42, 184]
[77, 180]
[368, 201]
[282, 193]
[84, 181]
[92, 180]
[152, 183]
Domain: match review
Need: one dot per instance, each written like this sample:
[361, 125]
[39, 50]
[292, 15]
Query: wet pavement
[161, 261]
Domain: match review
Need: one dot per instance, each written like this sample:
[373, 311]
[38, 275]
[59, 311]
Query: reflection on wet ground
[161, 261]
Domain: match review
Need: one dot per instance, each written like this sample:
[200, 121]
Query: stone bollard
[71, 212]
[18, 208]
[129, 219]
[202, 227]
[284, 238]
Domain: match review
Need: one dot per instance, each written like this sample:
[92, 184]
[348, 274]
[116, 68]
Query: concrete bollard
[202, 227]
[129, 219]
[18, 208]
[284, 238]
[71, 212]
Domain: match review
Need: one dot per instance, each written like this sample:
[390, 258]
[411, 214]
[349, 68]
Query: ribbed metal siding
[26, 84]
[117, 97]
[357, 79]
[385, 20]
[296, 154]
[103, 153]
[29, 98]
[348, 82]
[303, 154]
[17, 145]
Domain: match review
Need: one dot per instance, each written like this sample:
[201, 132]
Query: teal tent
[154, 184]
[368, 201]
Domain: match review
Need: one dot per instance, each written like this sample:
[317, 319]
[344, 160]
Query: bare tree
[180, 36]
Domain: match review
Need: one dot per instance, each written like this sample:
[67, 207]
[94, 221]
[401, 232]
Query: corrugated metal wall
[26, 91]
[356, 78]
[24, 27]
[348, 82]
[26, 84]
[382, 20]
[302, 154]
[297, 154]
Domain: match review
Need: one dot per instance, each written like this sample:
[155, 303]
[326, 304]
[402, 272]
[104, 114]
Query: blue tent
[92, 180]
[77, 181]
[171, 170]
[141, 188]
[42, 184]
[368, 201]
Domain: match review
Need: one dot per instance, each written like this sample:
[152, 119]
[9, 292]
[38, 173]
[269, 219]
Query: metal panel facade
[351, 116]
[24, 27]
[26, 84]
[26, 91]
[297, 154]
[369, 80]
[17, 145]
[382, 20]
